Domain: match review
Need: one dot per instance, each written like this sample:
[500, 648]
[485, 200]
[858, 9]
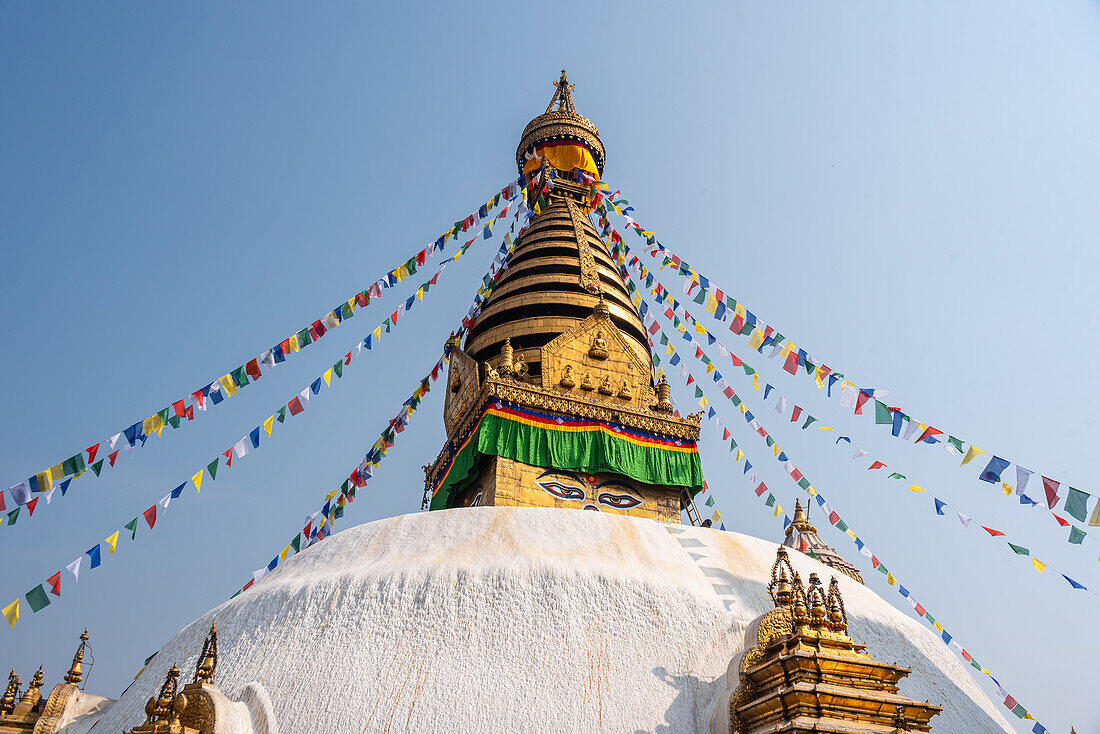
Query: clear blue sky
[907, 190]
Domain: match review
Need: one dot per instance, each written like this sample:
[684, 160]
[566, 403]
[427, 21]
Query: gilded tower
[551, 400]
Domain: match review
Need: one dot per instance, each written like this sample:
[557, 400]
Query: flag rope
[640, 271]
[31, 503]
[37, 597]
[229, 384]
[804, 484]
[744, 322]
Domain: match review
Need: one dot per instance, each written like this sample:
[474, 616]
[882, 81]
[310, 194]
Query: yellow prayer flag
[776, 450]
[970, 454]
[710, 368]
[699, 328]
[282, 554]
[740, 455]
[268, 424]
[228, 386]
[377, 333]
[825, 428]
[818, 374]
[112, 541]
[890, 579]
[148, 425]
[755, 381]
[1006, 488]
[669, 349]
[293, 340]
[420, 294]
[11, 612]
[850, 533]
[401, 273]
[331, 494]
[712, 304]
[939, 626]
[756, 339]
[742, 408]
[739, 310]
[328, 377]
[784, 352]
[1039, 565]
[703, 402]
[811, 491]
[197, 480]
[57, 471]
[778, 510]
[716, 517]
[45, 480]
[915, 488]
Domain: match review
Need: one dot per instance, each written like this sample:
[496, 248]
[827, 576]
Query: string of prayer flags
[214, 392]
[796, 359]
[835, 518]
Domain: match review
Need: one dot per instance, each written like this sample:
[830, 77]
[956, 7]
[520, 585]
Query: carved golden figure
[624, 391]
[586, 383]
[599, 347]
[567, 377]
[605, 386]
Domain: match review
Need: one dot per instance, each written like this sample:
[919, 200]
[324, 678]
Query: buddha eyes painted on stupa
[588, 489]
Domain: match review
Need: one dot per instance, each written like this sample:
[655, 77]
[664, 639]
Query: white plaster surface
[492, 619]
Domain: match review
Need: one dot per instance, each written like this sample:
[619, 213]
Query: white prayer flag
[74, 568]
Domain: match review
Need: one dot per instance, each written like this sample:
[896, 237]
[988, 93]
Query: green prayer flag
[882, 413]
[346, 312]
[282, 414]
[1019, 550]
[809, 419]
[841, 526]
[174, 421]
[957, 443]
[212, 467]
[698, 392]
[1076, 535]
[747, 329]
[303, 338]
[13, 515]
[1076, 504]
[239, 376]
[235, 594]
[883, 570]
[770, 502]
[296, 544]
[810, 367]
[1019, 710]
[700, 297]
[975, 664]
[930, 618]
[388, 326]
[37, 598]
[664, 339]
[804, 483]
[164, 414]
[73, 465]
[710, 501]
[132, 527]
[338, 368]
[769, 440]
[748, 370]
[97, 467]
[895, 475]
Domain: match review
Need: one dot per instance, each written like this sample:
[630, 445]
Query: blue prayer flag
[939, 505]
[93, 553]
[254, 435]
[993, 469]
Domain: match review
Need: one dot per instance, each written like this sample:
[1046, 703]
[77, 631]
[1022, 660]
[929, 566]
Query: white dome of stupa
[500, 619]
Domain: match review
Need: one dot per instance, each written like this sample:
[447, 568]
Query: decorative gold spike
[33, 692]
[601, 309]
[76, 673]
[798, 596]
[7, 703]
[207, 665]
[779, 588]
[838, 615]
[815, 599]
[664, 395]
[504, 367]
[163, 704]
[562, 95]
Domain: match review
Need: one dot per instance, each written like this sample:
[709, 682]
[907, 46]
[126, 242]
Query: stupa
[504, 608]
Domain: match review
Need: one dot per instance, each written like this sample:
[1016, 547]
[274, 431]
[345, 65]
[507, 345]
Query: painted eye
[563, 491]
[618, 501]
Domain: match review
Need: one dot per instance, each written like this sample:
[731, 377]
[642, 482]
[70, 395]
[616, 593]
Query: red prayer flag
[55, 584]
[920, 610]
[737, 324]
[928, 433]
[876, 465]
[875, 561]
[796, 474]
[111, 457]
[362, 299]
[1010, 702]
[991, 531]
[966, 655]
[199, 398]
[250, 582]
[698, 351]
[151, 516]
[347, 359]
[690, 380]
[92, 450]
[728, 392]
[228, 454]
[189, 413]
[797, 412]
[31, 505]
[834, 518]
[285, 346]
[178, 408]
[252, 369]
[736, 360]
[861, 400]
[295, 406]
[2, 506]
[313, 335]
[1051, 487]
[791, 365]
[761, 489]
[725, 434]
[1061, 520]
[654, 328]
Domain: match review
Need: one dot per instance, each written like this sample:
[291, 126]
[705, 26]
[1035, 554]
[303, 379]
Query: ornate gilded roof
[562, 123]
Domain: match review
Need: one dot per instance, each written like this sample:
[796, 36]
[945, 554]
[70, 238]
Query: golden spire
[779, 588]
[208, 660]
[158, 708]
[33, 692]
[76, 674]
[562, 95]
[838, 616]
[7, 703]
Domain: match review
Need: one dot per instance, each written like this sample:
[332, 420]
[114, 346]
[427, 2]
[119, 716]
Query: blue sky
[907, 190]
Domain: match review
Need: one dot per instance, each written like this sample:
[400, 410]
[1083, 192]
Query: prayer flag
[1039, 565]
[993, 469]
[74, 568]
[1051, 488]
[196, 479]
[1072, 583]
[93, 554]
[1076, 504]
[11, 612]
[1076, 535]
[55, 584]
[1019, 550]
[928, 435]
[132, 527]
[151, 516]
[37, 598]
[970, 454]
[112, 541]
[991, 531]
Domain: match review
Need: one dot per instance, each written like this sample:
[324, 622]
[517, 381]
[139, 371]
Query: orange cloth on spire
[564, 156]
